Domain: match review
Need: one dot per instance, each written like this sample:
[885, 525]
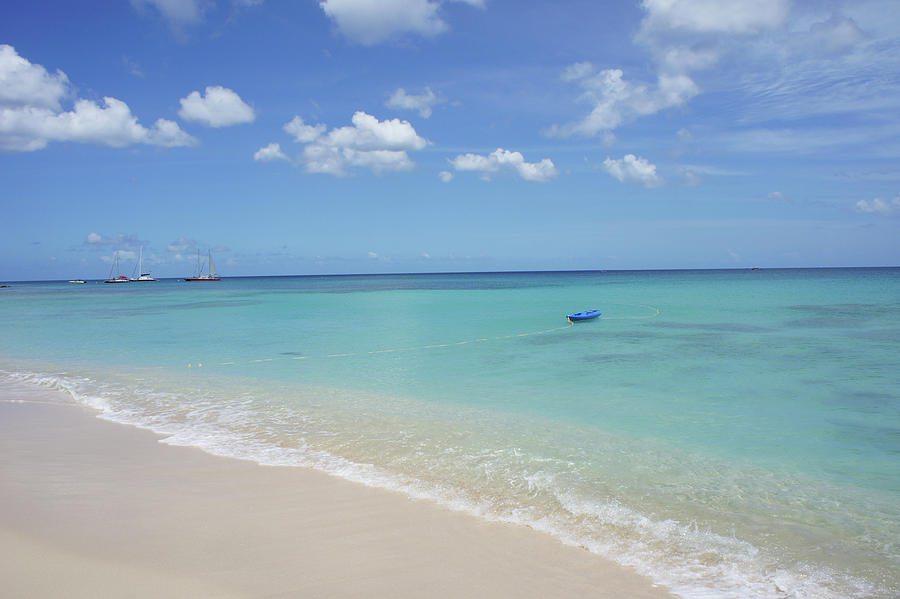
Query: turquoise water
[726, 433]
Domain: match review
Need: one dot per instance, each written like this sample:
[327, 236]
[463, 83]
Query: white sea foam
[694, 563]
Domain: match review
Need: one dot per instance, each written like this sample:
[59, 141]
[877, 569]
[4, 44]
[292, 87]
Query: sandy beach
[90, 508]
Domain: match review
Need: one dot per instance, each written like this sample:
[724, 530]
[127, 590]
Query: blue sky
[358, 136]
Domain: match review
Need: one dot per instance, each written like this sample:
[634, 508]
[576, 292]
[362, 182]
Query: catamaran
[210, 276]
[115, 268]
[142, 276]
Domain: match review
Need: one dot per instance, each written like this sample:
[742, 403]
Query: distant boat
[115, 269]
[586, 315]
[210, 276]
[79, 281]
[142, 276]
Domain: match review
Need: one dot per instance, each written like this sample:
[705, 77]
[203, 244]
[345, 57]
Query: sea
[726, 433]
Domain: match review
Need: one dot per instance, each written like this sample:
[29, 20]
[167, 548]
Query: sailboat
[142, 276]
[210, 276]
[115, 269]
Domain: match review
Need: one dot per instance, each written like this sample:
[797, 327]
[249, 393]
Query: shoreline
[104, 509]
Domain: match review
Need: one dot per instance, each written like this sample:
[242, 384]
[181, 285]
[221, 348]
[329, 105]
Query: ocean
[727, 433]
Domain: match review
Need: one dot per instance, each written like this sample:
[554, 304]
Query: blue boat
[586, 315]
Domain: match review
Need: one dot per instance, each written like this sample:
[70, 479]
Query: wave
[511, 486]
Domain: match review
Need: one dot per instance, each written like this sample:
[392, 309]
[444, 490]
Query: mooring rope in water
[426, 347]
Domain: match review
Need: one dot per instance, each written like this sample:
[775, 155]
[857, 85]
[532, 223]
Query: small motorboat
[586, 315]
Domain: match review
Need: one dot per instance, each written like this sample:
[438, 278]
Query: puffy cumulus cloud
[177, 12]
[25, 84]
[380, 146]
[368, 133]
[31, 128]
[445, 176]
[220, 107]
[419, 102]
[370, 22]
[537, 172]
[714, 16]
[303, 133]
[616, 101]
[633, 169]
[31, 115]
[269, 153]
[879, 206]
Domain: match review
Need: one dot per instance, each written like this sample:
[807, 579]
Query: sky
[379, 136]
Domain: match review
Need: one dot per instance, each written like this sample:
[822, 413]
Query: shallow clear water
[727, 433]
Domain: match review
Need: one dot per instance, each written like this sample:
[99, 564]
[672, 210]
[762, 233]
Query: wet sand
[90, 508]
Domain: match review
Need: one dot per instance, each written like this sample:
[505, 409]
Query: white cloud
[576, 71]
[303, 133]
[445, 176]
[177, 12]
[683, 36]
[31, 116]
[269, 153]
[616, 101]
[124, 256]
[27, 84]
[835, 35]
[368, 133]
[181, 244]
[30, 128]
[220, 107]
[380, 146]
[98, 241]
[714, 16]
[370, 22]
[633, 169]
[537, 172]
[682, 59]
[421, 102]
[879, 206]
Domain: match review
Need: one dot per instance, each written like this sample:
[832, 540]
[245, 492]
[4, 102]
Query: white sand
[94, 509]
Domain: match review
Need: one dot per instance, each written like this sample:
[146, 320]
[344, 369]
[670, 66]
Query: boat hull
[204, 279]
[581, 316]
